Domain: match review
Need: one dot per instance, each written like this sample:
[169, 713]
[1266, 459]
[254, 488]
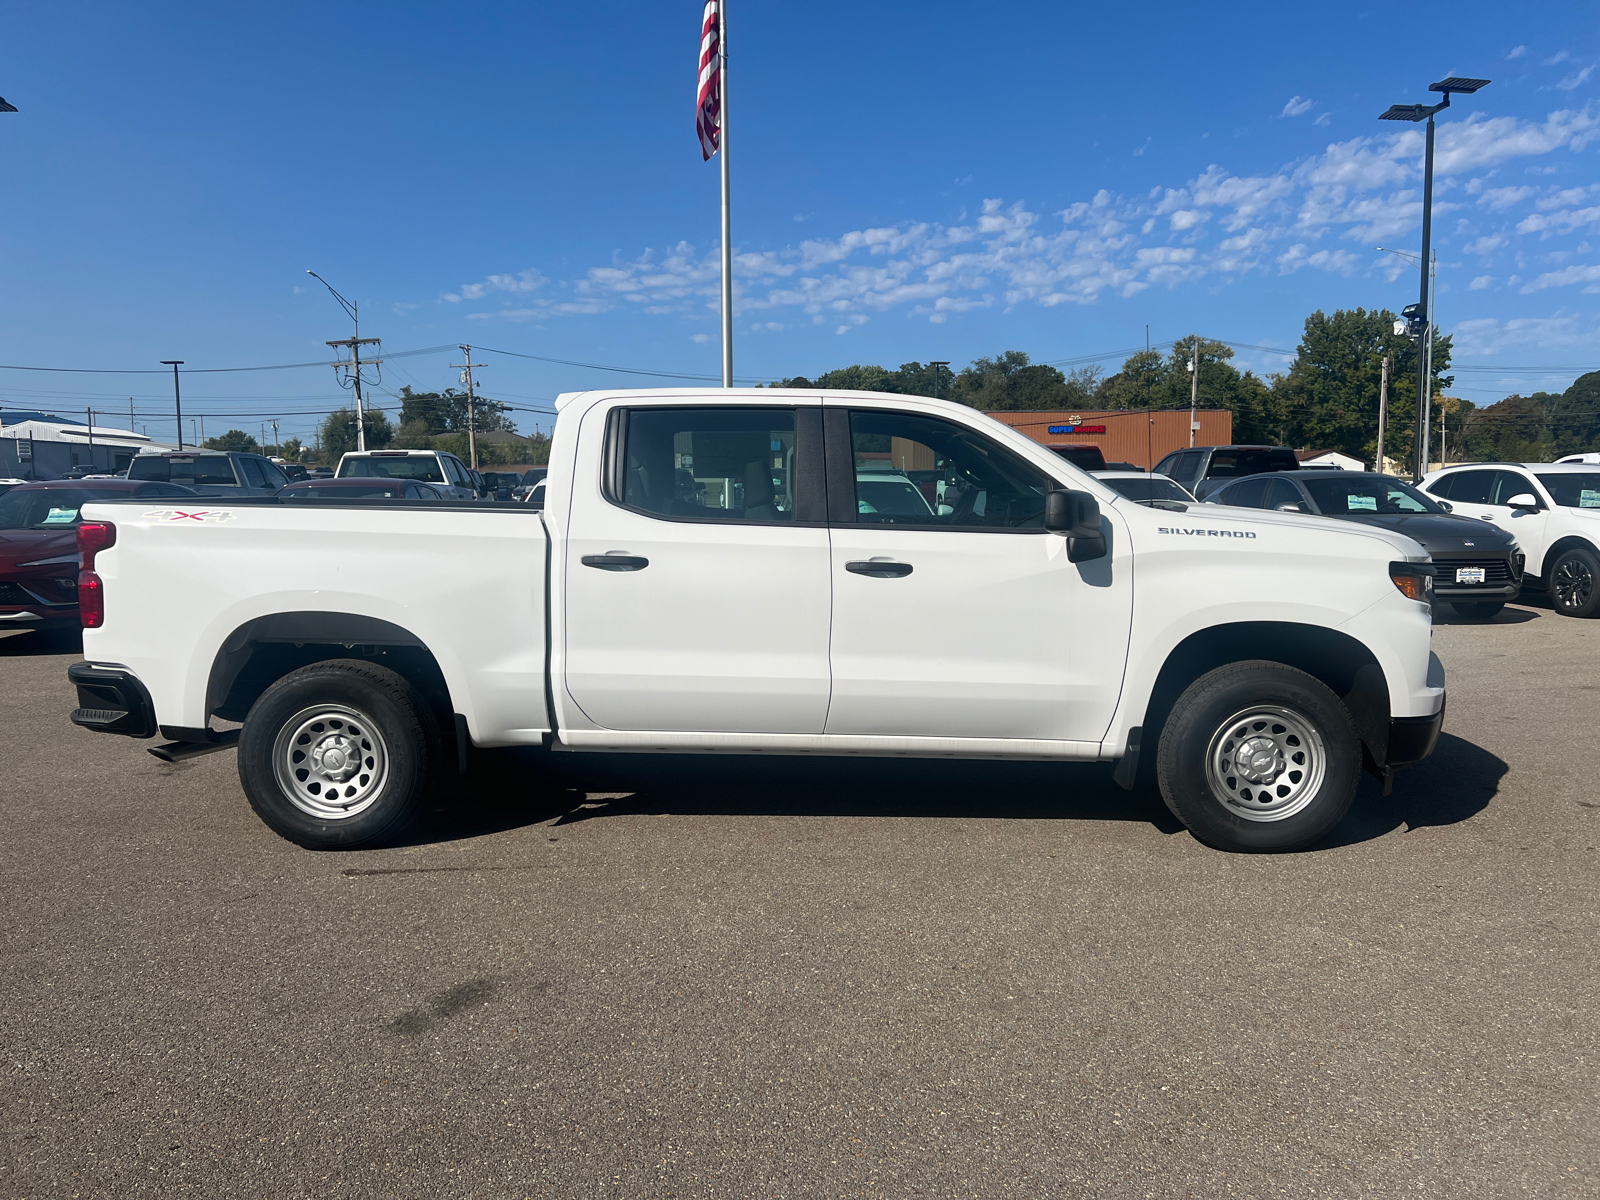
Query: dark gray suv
[212, 472]
[1204, 469]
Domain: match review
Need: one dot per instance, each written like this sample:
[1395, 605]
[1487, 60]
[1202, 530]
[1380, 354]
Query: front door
[954, 613]
[1483, 493]
[697, 582]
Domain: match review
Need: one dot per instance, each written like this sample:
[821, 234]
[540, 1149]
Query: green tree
[339, 432]
[1329, 396]
[292, 449]
[1010, 382]
[1574, 416]
[1516, 429]
[1149, 380]
[234, 439]
[423, 414]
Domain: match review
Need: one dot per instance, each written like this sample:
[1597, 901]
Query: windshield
[200, 469]
[1229, 463]
[48, 508]
[376, 491]
[894, 496]
[420, 466]
[1363, 494]
[1149, 487]
[1579, 489]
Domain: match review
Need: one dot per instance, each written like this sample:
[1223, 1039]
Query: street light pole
[354, 343]
[177, 398]
[1420, 314]
[936, 366]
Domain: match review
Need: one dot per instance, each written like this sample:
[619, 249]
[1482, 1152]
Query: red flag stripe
[708, 102]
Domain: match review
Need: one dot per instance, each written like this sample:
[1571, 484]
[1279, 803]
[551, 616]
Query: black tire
[1574, 583]
[1300, 739]
[370, 711]
[1478, 610]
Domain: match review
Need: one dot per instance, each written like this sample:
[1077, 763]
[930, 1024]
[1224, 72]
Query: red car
[39, 548]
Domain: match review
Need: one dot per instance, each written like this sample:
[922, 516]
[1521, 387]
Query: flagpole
[727, 210]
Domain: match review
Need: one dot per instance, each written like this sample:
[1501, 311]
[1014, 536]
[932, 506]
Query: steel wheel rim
[330, 761]
[1266, 763]
[1574, 583]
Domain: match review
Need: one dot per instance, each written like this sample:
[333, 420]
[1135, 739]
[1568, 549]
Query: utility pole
[353, 307]
[130, 416]
[936, 368]
[90, 411]
[1194, 388]
[177, 400]
[472, 419]
[202, 440]
[276, 444]
[1383, 413]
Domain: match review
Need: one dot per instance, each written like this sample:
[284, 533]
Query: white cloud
[700, 339]
[1575, 79]
[1503, 197]
[1297, 106]
[1559, 57]
[1558, 222]
[1216, 226]
[1566, 278]
[1481, 282]
[1517, 52]
[1323, 119]
[1487, 335]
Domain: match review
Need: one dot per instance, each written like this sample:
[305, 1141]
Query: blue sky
[910, 182]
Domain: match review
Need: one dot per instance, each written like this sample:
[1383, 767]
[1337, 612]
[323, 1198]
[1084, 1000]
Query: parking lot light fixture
[937, 366]
[1419, 314]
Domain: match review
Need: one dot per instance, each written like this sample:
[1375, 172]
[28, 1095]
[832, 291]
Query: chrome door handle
[615, 562]
[879, 570]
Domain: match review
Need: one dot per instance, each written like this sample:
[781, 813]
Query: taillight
[92, 538]
[1415, 580]
[91, 600]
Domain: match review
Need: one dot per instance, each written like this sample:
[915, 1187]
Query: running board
[183, 751]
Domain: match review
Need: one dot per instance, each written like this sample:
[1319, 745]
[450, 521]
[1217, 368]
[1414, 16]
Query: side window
[275, 477]
[1472, 487]
[1167, 466]
[1187, 471]
[1441, 487]
[921, 471]
[1281, 492]
[455, 472]
[253, 475]
[709, 464]
[1508, 484]
[1252, 493]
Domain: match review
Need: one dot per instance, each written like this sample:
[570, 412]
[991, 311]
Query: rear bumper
[1412, 739]
[111, 700]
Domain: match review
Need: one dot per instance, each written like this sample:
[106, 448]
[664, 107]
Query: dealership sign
[1077, 429]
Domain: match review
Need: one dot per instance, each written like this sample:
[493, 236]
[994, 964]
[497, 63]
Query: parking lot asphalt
[768, 978]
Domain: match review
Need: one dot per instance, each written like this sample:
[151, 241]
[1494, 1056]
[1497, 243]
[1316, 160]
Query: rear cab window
[213, 470]
[707, 464]
[399, 466]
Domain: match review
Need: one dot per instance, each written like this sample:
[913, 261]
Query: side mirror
[1076, 516]
[1446, 505]
[1523, 500]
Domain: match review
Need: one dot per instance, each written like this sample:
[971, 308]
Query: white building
[1329, 458]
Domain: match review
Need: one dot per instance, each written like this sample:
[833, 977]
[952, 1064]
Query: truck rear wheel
[335, 756]
[1257, 756]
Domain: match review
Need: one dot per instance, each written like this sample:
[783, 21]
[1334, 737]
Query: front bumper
[1412, 739]
[111, 700]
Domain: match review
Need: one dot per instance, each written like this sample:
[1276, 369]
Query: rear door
[697, 589]
[966, 620]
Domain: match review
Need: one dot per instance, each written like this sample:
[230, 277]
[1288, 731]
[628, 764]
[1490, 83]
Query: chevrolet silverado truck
[720, 572]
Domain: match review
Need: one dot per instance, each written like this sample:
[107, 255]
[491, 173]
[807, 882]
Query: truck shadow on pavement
[517, 788]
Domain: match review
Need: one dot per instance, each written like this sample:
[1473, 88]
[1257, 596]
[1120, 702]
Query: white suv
[444, 471]
[1553, 510]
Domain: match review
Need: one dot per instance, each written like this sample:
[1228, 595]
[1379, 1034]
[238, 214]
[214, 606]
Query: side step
[182, 751]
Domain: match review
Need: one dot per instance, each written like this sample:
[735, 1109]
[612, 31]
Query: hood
[18, 546]
[1225, 517]
[1439, 533]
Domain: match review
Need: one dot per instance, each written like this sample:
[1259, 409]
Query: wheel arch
[263, 650]
[1343, 663]
[1572, 541]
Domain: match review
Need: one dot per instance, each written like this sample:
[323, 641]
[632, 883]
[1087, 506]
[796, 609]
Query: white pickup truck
[719, 572]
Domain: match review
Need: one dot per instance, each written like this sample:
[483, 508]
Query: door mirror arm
[1523, 500]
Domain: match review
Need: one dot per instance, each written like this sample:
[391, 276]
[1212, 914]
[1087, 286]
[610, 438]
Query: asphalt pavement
[739, 977]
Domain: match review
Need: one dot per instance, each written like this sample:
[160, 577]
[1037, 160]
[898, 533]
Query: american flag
[708, 105]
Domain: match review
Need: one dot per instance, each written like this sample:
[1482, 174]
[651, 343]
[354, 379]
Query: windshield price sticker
[61, 516]
[1362, 503]
[1470, 574]
[1588, 499]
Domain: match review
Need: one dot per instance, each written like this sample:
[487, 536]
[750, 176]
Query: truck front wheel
[1257, 756]
[335, 756]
